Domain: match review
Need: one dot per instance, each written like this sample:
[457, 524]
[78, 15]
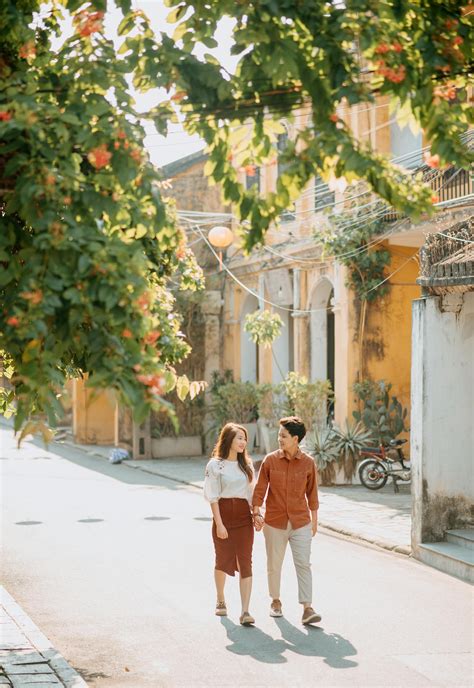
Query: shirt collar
[282, 455]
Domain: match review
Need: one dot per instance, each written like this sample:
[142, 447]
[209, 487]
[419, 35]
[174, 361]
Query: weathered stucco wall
[387, 346]
[442, 431]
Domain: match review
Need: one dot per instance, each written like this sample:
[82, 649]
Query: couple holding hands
[287, 486]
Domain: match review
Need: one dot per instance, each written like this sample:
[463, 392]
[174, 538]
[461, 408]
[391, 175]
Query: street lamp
[221, 238]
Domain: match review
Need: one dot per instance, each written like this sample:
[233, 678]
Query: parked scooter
[379, 466]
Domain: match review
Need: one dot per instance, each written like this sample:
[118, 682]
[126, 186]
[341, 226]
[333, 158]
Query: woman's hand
[222, 532]
[258, 522]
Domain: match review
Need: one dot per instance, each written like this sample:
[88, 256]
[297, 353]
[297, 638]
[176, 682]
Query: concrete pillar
[212, 309]
[141, 440]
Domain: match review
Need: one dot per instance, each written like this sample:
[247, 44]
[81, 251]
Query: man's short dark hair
[295, 426]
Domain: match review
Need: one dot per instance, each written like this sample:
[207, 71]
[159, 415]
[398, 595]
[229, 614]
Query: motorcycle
[379, 466]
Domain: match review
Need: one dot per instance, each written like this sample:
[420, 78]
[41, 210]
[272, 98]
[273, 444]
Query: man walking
[288, 485]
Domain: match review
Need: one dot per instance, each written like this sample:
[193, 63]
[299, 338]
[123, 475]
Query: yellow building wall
[94, 415]
[387, 340]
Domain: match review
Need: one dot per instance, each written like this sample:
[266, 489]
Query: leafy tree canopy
[89, 245]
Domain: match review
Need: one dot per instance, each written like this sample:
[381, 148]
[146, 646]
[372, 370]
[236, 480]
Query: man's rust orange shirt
[291, 489]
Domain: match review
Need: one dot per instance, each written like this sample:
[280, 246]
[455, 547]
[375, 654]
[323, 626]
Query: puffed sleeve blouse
[225, 479]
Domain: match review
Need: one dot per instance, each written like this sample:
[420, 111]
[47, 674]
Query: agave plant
[321, 444]
[349, 442]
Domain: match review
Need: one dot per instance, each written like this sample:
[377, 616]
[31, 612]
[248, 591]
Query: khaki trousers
[276, 540]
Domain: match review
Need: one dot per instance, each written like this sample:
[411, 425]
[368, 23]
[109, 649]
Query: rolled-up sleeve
[212, 487]
[312, 488]
[261, 486]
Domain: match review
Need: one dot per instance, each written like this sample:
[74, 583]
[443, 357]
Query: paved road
[115, 567]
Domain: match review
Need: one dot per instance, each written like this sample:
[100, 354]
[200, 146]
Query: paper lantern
[221, 238]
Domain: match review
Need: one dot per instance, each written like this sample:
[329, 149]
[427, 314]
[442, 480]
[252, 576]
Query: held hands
[222, 532]
[258, 522]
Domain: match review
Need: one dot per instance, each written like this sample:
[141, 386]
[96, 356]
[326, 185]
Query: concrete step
[461, 536]
[448, 557]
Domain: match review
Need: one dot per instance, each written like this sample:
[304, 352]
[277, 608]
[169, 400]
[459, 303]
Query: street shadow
[252, 642]
[399, 502]
[121, 472]
[314, 642]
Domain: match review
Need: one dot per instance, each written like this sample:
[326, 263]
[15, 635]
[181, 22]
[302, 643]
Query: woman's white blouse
[226, 479]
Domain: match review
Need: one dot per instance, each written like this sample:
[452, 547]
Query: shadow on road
[255, 643]
[314, 642]
[125, 474]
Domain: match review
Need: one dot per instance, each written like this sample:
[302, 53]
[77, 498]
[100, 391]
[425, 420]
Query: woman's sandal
[221, 609]
[246, 619]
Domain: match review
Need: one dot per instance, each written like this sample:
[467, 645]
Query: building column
[212, 309]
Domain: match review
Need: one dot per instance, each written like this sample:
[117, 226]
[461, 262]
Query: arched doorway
[322, 333]
[248, 349]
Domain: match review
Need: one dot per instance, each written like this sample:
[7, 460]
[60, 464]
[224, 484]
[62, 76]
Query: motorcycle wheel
[373, 475]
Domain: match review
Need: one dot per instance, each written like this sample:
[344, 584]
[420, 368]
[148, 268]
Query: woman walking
[228, 487]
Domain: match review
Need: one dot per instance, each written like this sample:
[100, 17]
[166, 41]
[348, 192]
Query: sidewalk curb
[40, 645]
[382, 544]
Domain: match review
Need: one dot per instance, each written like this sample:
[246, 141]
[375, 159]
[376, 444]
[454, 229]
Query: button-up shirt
[291, 489]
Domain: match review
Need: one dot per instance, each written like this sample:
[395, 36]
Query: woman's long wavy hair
[223, 444]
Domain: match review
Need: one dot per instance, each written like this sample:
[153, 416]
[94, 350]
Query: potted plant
[239, 405]
[308, 400]
[321, 444]
[349, 441]
[380, 412]
[272, 406]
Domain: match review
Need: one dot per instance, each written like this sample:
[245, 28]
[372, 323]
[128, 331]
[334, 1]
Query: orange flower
[250, 170]
[143, 301]
[27, 50]
[89, 22]
[382, 48]
[334, 117]
[67, 200]
[151, 337]
[435, 198]
[121, 134]
[136, 155]
[127, 333]
[432, 160]
[35, 297]
[458, 41]
[179, 95]
[5, 116]
[50, 180]
[397, 47]
[13, 321]
[99, 157]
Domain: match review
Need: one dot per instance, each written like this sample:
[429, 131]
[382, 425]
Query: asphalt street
[115, 567]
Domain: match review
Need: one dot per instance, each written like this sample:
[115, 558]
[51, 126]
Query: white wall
[281, 349]
[442, 423]
[403, 142]
[318, 331]
[248, 350]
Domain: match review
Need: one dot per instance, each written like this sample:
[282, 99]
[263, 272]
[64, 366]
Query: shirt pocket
[278, 482]
[299, 483]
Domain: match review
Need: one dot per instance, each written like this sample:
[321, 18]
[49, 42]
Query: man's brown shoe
[246, 619]
[221, 609]
[310, 616]
[275, 608]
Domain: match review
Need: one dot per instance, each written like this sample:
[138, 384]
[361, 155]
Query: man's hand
[258, 522]
[314, 526]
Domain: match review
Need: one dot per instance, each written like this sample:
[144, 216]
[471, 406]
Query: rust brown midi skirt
[235, 552]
